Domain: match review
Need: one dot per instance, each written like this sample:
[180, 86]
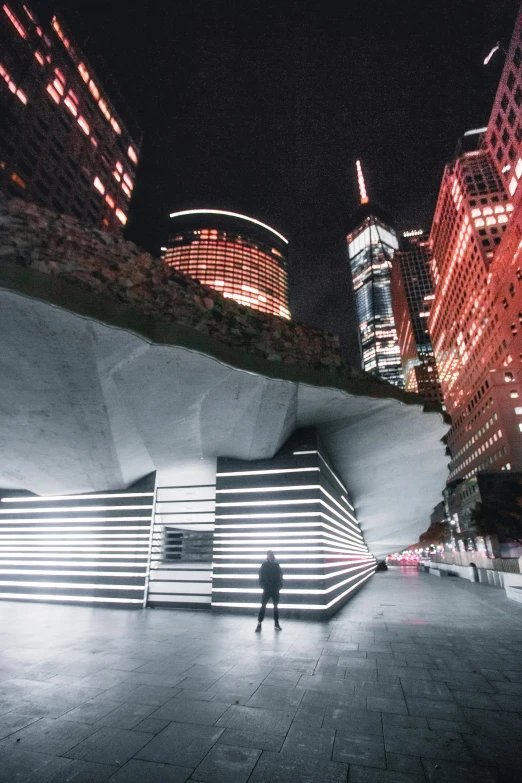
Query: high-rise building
[412, 296]
[372, 243]
[238, 256]
[63, 144]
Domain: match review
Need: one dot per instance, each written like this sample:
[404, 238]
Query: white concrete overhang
[94, 396]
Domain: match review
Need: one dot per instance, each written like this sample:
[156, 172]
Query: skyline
[266, 113]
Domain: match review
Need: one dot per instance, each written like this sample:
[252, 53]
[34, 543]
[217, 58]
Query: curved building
[238, 256]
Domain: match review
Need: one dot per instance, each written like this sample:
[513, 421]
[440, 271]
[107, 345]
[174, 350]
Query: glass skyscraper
[372, 242]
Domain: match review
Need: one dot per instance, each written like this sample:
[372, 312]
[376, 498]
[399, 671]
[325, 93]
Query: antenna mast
[360, 179]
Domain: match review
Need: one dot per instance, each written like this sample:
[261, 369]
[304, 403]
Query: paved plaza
[416, 679]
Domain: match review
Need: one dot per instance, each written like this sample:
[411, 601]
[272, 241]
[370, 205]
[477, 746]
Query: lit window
[94, 90]
[518, 168]
[18, 180]
[94, 141]
[52, 92]
[518, 411]
[16, 23]
[39, 57]
[487, 211]
[508, 377]
[58, 86]
[71, 106]
[84, 125]
[479, 222]
[502, 218]
[104, 110]
[509, 207]
[514, 395]
[126, 190]
[59, 33]
[116, 128]
[490, 221]
[128, 181]
[116, 176]
[512, 185]
[99, 185]
[60, 75]
[131, 152]
[474, 213]
[122, 217]
[84, 73]
[21, 96]
[110, 201]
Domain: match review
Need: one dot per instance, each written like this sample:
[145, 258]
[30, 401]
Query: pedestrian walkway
[415, 679]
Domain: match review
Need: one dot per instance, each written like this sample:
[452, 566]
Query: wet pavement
[416, 679]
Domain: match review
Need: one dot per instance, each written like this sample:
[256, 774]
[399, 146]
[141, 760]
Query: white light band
[185, 212]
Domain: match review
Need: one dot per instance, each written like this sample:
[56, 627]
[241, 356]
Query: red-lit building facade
[476, 320]
[63, 144]
[412, 296]
[234, 254]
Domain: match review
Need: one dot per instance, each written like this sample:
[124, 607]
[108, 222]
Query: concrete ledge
[514, 593]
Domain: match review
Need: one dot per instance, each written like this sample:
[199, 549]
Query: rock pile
[118, 270]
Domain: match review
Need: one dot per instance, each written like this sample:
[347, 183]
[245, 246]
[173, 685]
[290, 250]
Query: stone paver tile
[288, 768]
[361, 724]
[152, 725]
[400, 762]
[54, 736]
[275, 698]
[110, 746]
[14, 721]
[126, 716]
[371, 775]
[227, 764]
[245, 739]
[350, 750]
[309, 714]
[153, 695]
[24, 765]
[308, 741]
[457, 772]
[180, 710]
[432, 744]
[284, 678]
[406, 672]
[91, 711]
[135, 771]
[181, 744]
[375, 688]
[459, 727]
[430, 708]
[256, 719]
[187, 693]
[386, 704]
[404, 721]
[494, 723]
[319, 682]
[127, 664]
[469, 699]
[426, 689]
[82, 772]
[56, 701]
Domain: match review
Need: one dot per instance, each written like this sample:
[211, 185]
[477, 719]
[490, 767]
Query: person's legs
[275, 599]
[264, 601]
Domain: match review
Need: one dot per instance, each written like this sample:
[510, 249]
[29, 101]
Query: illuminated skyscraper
[63, 144]
[236, 255]
[372, 242]
[412, 296]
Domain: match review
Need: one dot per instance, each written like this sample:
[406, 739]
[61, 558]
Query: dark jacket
[270, 575]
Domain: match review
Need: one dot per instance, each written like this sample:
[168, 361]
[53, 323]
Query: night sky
[262, 108]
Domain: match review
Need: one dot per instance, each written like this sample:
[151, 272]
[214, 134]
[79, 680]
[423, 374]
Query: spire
[360, 179]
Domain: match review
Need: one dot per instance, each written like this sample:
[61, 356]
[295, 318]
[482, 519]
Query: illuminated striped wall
[296, 505]
[86, 548]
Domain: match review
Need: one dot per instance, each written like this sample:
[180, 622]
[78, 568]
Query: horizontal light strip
[269, 526]
[311, 607]
[78, 529]
[301, 555]
[304, 452]
[71, 585]
[266, 472]
[83, 599]
[285, 515]
[57, 548]
[47, 572]
[73, 563]
[59, 509]
[292, 502]
[37, 553]
[51, 498]
[229, 214]
[101, 537]
[74, 520]
[289, 488]
[233, 539]
[296, 576]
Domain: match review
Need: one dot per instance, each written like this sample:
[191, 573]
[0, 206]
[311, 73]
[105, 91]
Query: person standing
[271, 581]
